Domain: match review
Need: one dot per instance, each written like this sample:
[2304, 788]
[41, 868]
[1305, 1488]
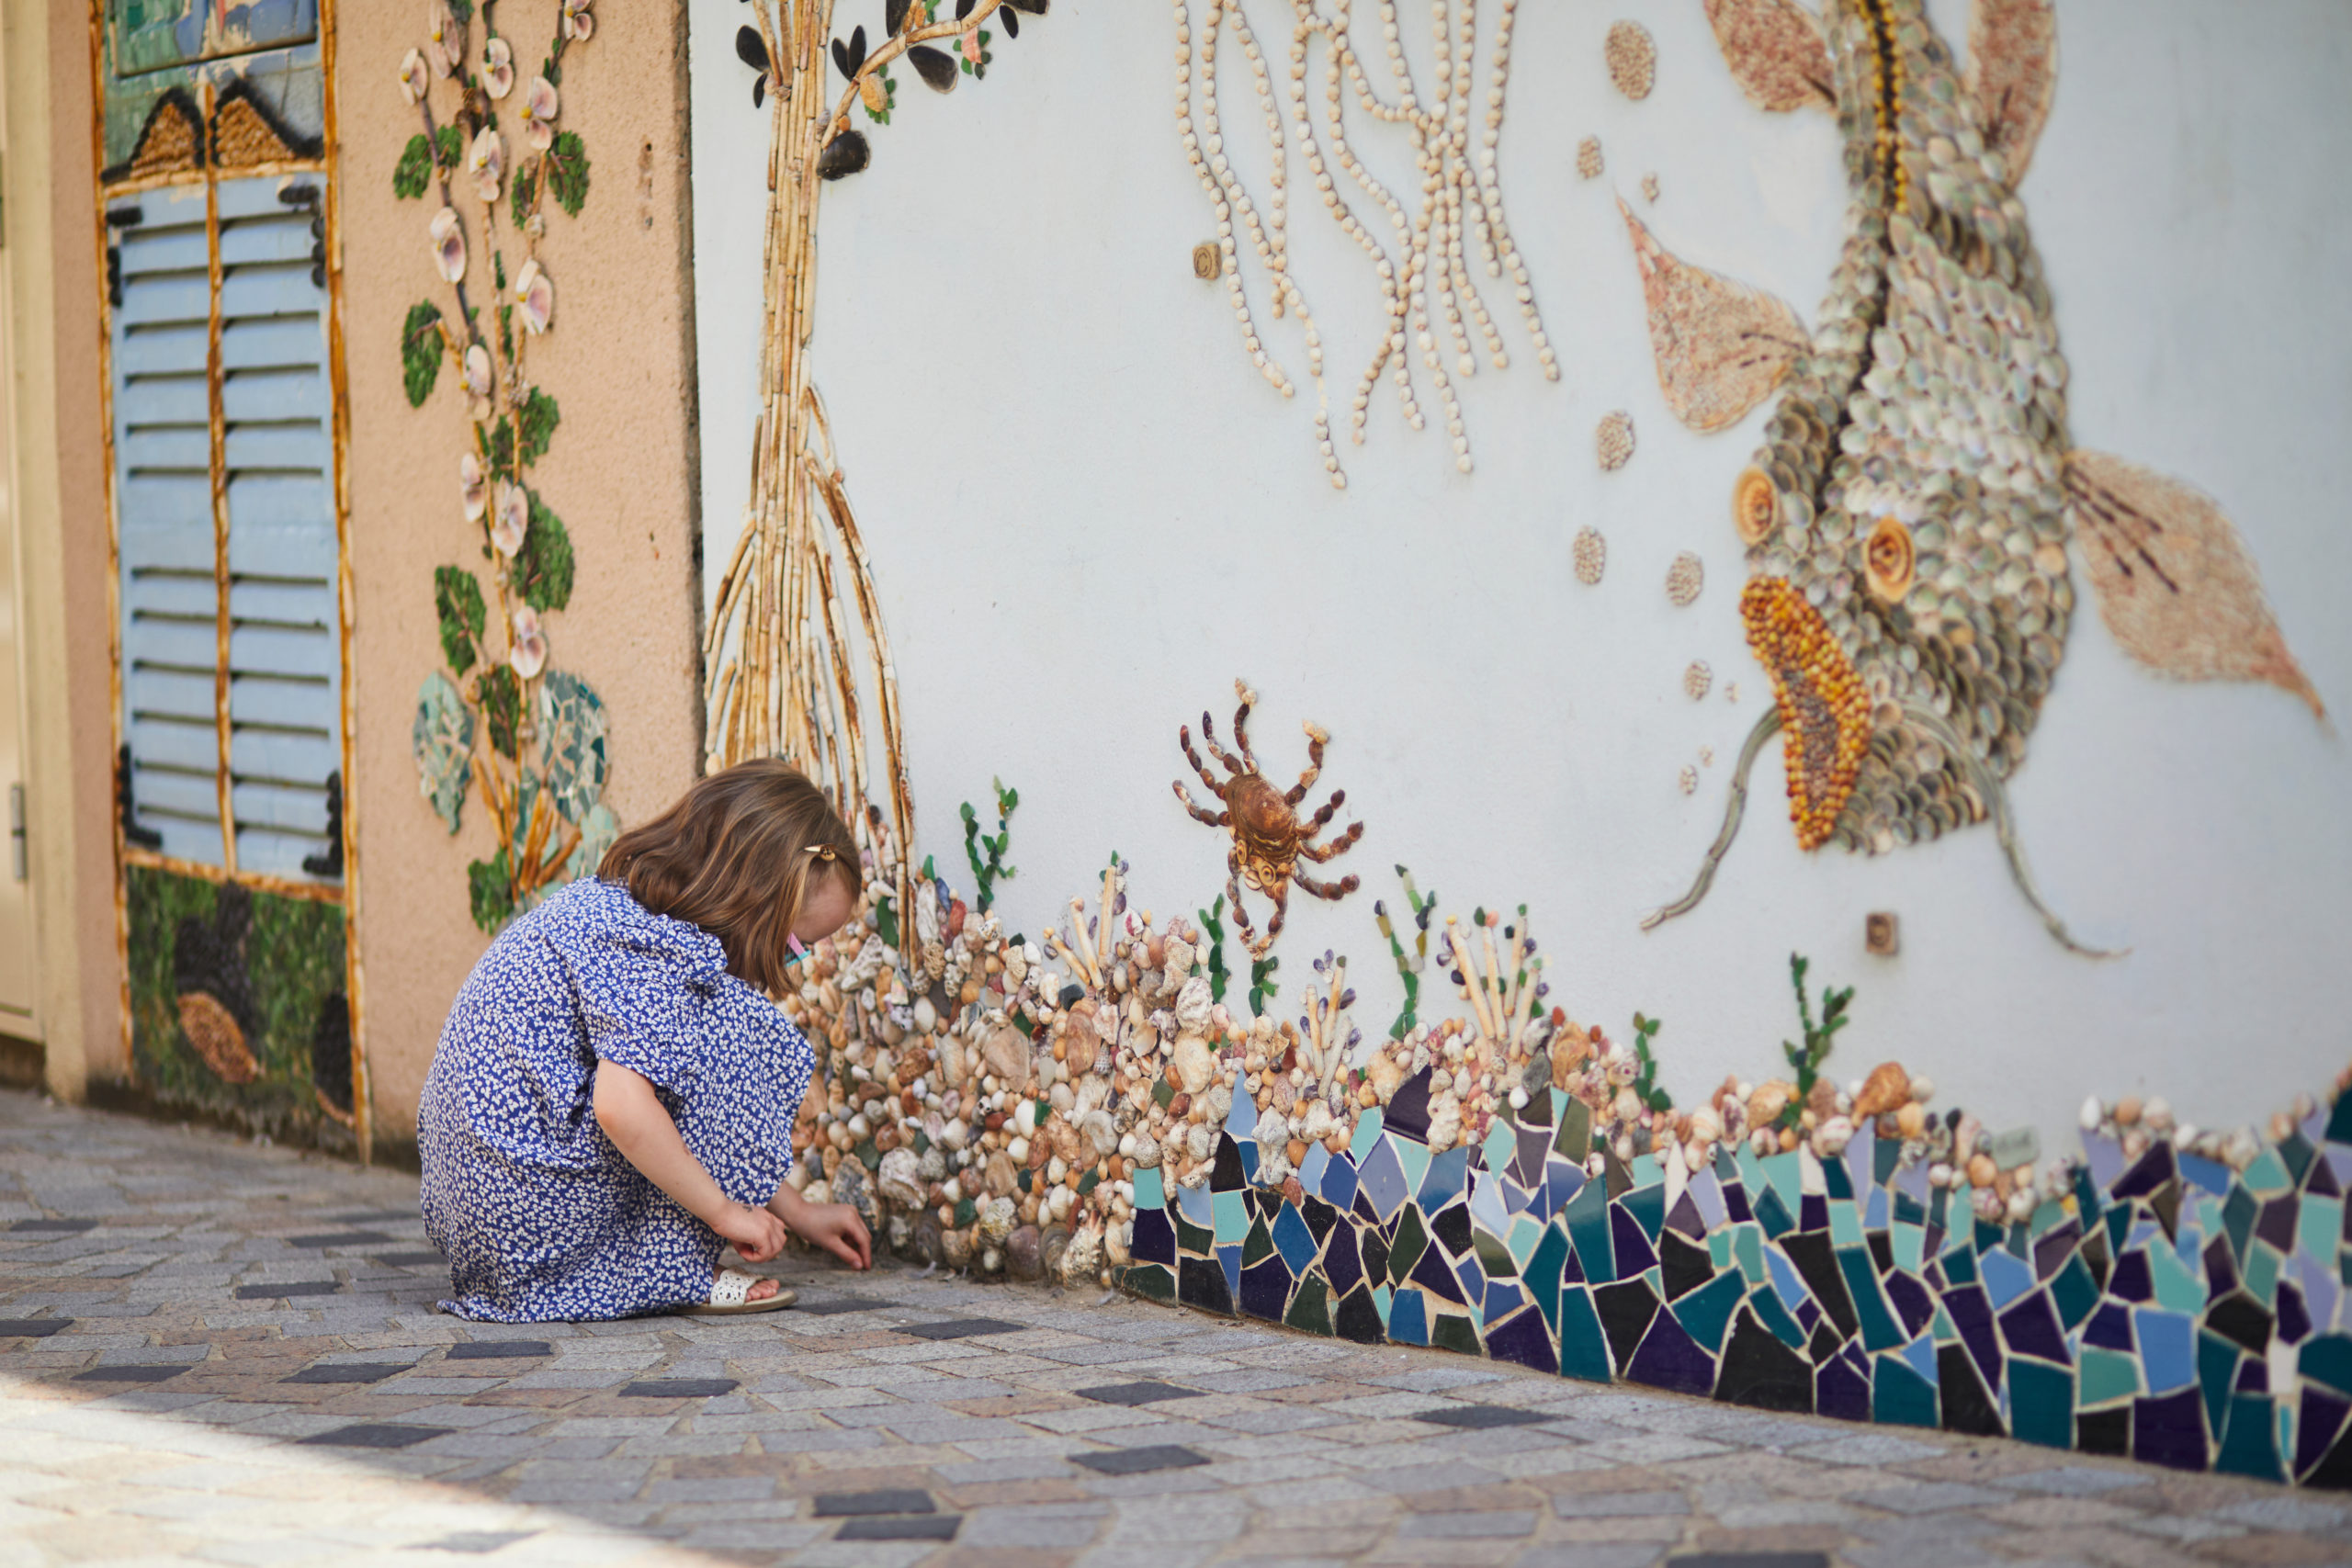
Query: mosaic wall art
[531, 735]
[795, 653]
[224, 419]
[1452, 124]
[1908, 517]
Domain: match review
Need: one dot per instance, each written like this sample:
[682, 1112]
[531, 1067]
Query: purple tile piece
[2105, 1156]
[1735, 1202]
[1634, 1252]
[2294, 1319]
[2131, 1280]
[2150, 1171]
[1523, 1341]
[2321, 1417]
[1812, 1212]
[1670, 1358]
[2052, 1250]
[1382, 1181]
[1912, 1180]
[2220, 1269]
[2253, 1376]
[1342, 1265]
[1972, 1315]
[1408, 1108]
[2170, 1431]
[1707, 1193]
[2321, 1290]
[1265, 1289]
[2030, 1328]
[1155, 1237]
[1911, 1300]
[2276, 1223]
[1841, 1392]
[1432, 1273]
[1535, 1148]
[2110, 1328]
[1862, 1174]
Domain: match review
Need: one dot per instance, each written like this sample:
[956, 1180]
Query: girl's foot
[733, 1292]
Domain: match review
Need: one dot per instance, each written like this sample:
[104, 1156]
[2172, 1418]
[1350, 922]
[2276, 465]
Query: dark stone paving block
[1137, 1393]
[289, 1288]
[1138, 1462]
[347, 1372]
[838, 1306]
[888, 1500]
[52, 1227]
[32, 1327]
[679, 1388]
[407, 1260]
[961, 1328]
[1479, 1417]
[497, 1349]
[915, 1526]
[375, 1435]
[1750, 1559]
[143, 1373]
[340, 1238]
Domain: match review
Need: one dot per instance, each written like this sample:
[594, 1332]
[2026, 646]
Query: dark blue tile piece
[1226, 1174]
[1408, 1109]
[2276, 1222]
[1632, 1249]
[1812, 1212]
[1911, 1301]
[1265, 1290]
[883, 1500]
[1201, 1282]
[2150, 1171]
[1533, 1149]
[2110, 1328]
[2131, 1280]
[1358, 1317]
[1841, 1392]
[375, 1435]
[1293, 1240]
[1382, 1183]
[1340, 1182]
[1447, 1178]
[2322, 1417]
[1341, 1263]
[1435, 1275]
[1759, 1370]
[1625, 1312]
[2031, 1328]
[1735, 1203]
[1451, 1225]
[2253, 1377]
[1155, 1237]
[1562, 1182]
[1228, 1262]
[1686, 1221]
[1503, 1297]
[2170, 1431]
[1523, 1339]
[1409, 1317]
[2294, 1319]
[1817, 1264]
[1670, 1358]
[1966, 1398]
[1972, 1313]
[2208, 1175]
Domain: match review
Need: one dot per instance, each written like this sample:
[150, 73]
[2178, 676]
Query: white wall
[1089, 513]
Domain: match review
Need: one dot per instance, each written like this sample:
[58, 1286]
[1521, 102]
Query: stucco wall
[1088, 513]
[620, 472]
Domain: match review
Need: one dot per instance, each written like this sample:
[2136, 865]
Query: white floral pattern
[541, 1217]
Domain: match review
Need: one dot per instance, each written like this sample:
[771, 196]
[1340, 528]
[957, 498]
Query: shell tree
[796, 643]
[531, 736]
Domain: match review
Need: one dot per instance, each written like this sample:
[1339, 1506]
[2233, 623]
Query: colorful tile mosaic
[2169, 1309]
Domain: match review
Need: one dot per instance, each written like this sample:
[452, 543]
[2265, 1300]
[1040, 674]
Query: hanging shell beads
[1430, 295]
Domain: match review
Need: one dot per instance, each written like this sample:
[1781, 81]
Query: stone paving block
[1619, 1505]
[1931, 1496]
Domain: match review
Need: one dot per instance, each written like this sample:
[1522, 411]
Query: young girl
[612, 1099]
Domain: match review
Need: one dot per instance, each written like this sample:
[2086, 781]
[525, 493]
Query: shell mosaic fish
[1908, 514]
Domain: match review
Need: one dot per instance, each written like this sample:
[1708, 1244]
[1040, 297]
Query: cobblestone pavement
[223, 1351]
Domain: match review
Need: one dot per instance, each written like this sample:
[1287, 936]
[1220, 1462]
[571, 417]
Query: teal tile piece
[2209, 1219]
[1910, 1244]
[2217, 1368]
[1147, 1189]
[2119, 1228]
[1408, 1320]
[1501, 1147]
[2178, 1289]
[2238, 1212]
[1384, 1298]
[1367, 1133]
[1231, 1215]
[1646, 1206]
[1655, 1276]
[1413, 1158]
[1751, 1170]
[2073, 1292]
[1766, 1304]
[1526, 1233]
[2261, 1273]
[1559, 1102]
[1786, 1174]
[1845, 1222]
[1959, 1264]
[2041, 1402]
[2327, 1358]
[1648, 1171]
[1705, 1312]
[1719, 1248]
[1584, 1350]
[1879, 1331]
[1747, 1245]
[1587, 1215]
[2268, 1173]
[2047, 1218]
[2318, 1222]
[1541, 1274]
[1900, 1396]
[2249, 1443]
[1943, 1328]
[2106, 1374]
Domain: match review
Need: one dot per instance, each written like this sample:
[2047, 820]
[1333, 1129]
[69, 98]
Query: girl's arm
[631, 1114]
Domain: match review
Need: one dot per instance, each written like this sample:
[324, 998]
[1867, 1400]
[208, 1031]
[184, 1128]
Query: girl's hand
[833, 1227]
[755, 1234]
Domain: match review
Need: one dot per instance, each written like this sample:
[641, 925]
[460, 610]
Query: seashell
[1195, 1063]
[1100, 1134]
[1146, 1153]
[2092, 1114]
[1445, 1122]
[1684, 579]
[1591, 555]
[1385, 1075]
[1201, 1140]
[1615, 440]
[1698, 679]
[2128, 1110]
[1589, 163]
[1194, 1004]
[901, 1178]
[1755, 505]
[1083, 1254]
[1887, 1088]
[1631, 56]
[1771, 1099]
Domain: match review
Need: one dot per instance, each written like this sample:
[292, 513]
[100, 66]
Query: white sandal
[730, 1293]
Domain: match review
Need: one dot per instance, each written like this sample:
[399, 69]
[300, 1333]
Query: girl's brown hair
[740, 856]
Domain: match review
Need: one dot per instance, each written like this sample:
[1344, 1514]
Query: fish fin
[1721, 347]
[1776, 53]
[1733, 810]
[2177, 585]
[2012, 74]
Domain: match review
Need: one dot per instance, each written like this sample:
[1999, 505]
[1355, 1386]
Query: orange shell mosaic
[1825, 712]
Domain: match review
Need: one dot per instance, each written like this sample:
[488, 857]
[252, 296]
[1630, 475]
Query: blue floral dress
[541, 1217]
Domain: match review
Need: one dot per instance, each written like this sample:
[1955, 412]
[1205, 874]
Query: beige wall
[620, 474]
[51, 252]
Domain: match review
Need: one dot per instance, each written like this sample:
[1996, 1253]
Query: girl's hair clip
[793, 943]
[822, 851]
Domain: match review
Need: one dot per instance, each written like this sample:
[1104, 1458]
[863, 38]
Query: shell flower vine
[500, 716]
